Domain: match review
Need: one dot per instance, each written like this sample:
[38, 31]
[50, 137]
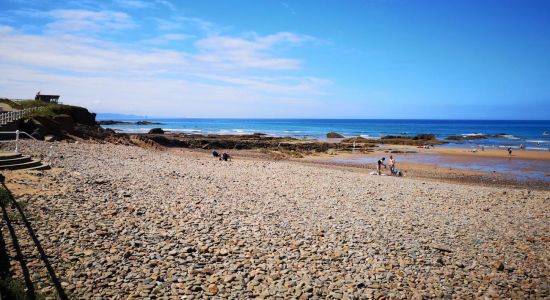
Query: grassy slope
[48, 109]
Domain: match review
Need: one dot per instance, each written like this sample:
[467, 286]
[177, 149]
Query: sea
[501, 133]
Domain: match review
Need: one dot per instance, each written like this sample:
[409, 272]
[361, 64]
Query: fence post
[17, 141]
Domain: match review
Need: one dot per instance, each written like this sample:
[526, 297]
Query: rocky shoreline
[122, 221]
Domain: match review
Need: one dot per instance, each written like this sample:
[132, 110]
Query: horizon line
[320, 118]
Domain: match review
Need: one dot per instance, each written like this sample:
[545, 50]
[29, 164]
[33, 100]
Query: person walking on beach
[379, 165]
[510, 151]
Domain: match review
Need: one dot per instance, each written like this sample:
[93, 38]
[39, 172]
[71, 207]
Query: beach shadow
[57, 284]
[8, 288]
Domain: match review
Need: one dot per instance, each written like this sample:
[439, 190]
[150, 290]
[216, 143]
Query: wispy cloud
[79, 20]
[167, 38]
[133, 3]
[287, 7]
[81, 56]
[140, 4]
[188, 24]
[235, 52]
[89, 68]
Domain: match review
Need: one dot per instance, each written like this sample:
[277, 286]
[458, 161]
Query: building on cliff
[47, 98]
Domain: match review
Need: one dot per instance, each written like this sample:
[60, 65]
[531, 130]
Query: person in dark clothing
[226, 157]
[215, 153]
[379, 165]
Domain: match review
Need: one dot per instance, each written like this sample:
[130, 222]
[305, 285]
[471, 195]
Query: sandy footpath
[123, 222]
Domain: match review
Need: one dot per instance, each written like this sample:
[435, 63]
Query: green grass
[48, 109]
[4, 197]
[13, 288]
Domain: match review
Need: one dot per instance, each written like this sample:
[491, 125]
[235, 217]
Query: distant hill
[115, 116]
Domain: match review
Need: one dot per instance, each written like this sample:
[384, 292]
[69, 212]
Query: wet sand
[490, 167]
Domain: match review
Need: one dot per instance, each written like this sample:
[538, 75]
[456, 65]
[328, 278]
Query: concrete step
[17, 161]
[25, 165]
[39, 168]
[14, 161]
[9, 155]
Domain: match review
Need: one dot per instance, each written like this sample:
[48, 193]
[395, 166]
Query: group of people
[393, 168]
[225, 156]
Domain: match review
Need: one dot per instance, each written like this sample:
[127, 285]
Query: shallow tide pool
[523, 169]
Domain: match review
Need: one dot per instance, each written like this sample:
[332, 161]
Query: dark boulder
[334, 135]
[156, 131]
[147, 123]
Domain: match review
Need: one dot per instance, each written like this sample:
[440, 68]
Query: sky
[282, 59]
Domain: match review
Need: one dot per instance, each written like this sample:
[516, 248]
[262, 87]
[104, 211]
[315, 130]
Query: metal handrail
[45, 153]
[17, 133]
[12, 116]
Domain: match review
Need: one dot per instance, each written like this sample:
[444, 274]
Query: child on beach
[379, 165]
[393, 170]
[510, 151]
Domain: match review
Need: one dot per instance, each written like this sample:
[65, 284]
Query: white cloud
[153, 96]
[274, 85]
[133, 3]
[70, 20]
[73, 55]
[217, 75]
[234, 52]
[5, 29]
[188, 24]
[176, 36]
[139, 4]
[166, 3]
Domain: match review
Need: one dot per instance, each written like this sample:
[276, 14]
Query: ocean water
[528, 133]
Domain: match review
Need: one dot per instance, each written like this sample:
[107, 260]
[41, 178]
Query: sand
[452, 165]
[121, 221]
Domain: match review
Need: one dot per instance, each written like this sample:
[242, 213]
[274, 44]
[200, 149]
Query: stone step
[14, 161]
[9, 155]
[39, 168]
[17, 161]
[25, 165]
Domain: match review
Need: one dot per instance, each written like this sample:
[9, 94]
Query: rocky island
[113, 122]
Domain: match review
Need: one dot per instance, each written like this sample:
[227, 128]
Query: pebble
[121, 221]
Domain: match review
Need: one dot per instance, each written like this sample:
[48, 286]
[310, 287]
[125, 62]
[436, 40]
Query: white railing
[46, 153]
[17, 134]
[12, 116]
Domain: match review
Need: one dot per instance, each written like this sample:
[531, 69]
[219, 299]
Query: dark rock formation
[147, 123]
[466, 137]
[112, 122]
[417, 140]
[69, 122]
[156, 131]
[334, 135]
[418, 137]
[240, 142]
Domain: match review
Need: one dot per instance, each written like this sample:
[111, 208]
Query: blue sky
[296, 59]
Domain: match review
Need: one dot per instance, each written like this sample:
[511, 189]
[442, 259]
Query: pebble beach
[123, 222]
